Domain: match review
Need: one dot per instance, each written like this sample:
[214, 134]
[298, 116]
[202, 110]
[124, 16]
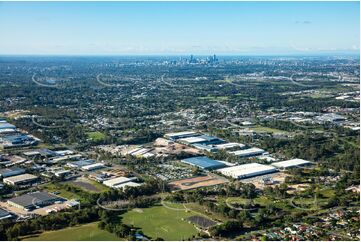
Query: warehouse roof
[11, 170]
[181, 133]
[93, 166]
[34, 199]
[204, 162]
[291, 163]
[192, 140]
[118, 181]
[6, 125]
[4, 214]
[81, 163]
[20, 178]
[247, 170]
[229, 145]
[127, 184]
[247, 152]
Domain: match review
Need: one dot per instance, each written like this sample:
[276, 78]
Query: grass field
[62, 192]
[269, 130]
[162, 222]
[83, 232]
[96, 136]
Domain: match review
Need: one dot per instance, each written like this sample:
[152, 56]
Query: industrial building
[34, 200]
[20, 179]
[127, 184]
[202, 139]
[247, 170]
[229, 146]
[5, 125]
[291, 163]
[248, 152]
[18, 140]
[80, 163]
[115, 182]
[4, 214]
[11, 171]
[180, 135]
[92, 167]
[204, 162]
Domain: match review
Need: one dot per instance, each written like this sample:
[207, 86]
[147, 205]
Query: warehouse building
[93, 167]
[248, 152]
[180, 135]
[202, 140]
[247, 170]
[204, 162]
[291, 163]
[34, 200]
[20, 179]
[227, 146]
[18, 140]
[116, 182]
[12, 171]
[5, 126]
[4, 214]
[80, 163]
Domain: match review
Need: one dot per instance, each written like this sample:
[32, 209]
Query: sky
[123, 28]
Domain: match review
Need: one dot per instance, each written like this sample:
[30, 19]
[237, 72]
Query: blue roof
[6, 125]
[17, 138]
[204, 162]
[210, 140]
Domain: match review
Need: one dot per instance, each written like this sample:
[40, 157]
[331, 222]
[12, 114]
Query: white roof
[127, 184]
[32, 153]
[181, 133]
[140, 151]
[64, 152]
[249, 151]
[191, 140]
[229, 145]
[19, 178]
[290, 163]
[246, 170]
[93, 166]
[117, 181]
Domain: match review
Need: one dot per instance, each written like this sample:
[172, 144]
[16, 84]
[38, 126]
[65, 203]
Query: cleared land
[162, 222]
[196, 182]
[81, 233]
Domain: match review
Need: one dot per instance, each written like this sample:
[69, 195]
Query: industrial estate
[179, 121]
[178, 157]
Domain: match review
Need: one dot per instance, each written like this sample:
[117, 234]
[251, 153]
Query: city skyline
[179, 28]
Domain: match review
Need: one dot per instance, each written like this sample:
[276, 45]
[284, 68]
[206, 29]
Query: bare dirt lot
[196, 182]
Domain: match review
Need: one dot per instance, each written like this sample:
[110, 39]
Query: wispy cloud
[303, 22]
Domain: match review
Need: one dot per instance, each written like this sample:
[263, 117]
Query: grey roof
[11, 170]
[34, 199]
[3, 213]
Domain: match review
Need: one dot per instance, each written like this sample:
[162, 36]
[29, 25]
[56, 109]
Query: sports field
[96, 136]
[159, 221]
[83, 232]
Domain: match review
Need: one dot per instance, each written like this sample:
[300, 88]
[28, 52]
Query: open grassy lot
[267, 129]
[83, 232]
[89, 185]
[96, 136]
[62, 192]
[159, 221]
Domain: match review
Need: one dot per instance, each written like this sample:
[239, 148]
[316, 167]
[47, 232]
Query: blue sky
[115, 28]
